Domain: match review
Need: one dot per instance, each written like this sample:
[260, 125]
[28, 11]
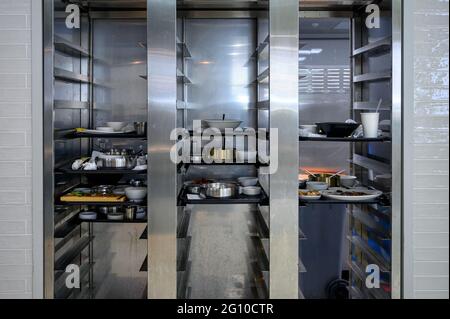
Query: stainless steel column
[48, 117]
[284, 31]
[397, 153]
[162, 198]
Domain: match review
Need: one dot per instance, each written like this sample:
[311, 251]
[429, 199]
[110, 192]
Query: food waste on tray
[314, 185]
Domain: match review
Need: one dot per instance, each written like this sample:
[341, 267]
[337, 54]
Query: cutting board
[94, 198]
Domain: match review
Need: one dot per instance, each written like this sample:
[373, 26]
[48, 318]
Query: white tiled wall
[431, 150]
[15, 149]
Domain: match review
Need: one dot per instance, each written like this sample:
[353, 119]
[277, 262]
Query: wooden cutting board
[94, 198]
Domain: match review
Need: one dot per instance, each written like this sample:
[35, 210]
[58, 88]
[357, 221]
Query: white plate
[303, 197]
[370, 194]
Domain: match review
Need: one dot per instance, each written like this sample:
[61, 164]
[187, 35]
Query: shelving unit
[70, 86]
[366, 161]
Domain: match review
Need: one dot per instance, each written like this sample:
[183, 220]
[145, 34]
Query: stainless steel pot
[112, 161]
[221, 190]
[103, 189]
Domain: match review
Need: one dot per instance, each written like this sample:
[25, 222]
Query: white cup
[370, 124]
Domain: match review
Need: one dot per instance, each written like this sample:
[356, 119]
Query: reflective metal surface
[284, 31]
[162, 197]
[220, 70]
[397, 154]
[49, 258]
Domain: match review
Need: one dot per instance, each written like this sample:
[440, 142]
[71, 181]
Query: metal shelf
[183, 226]
[262, 199]
[372, 77]
[336, 202]
[121, 204]
[364, 247]
[260, 254]
[344, 139]
[184, 49]
[61, 291]
[261, 279]
[183, 78]
[263, 76]
[183, 279]
[72, 134]
[62, 104]
[263, 105]
[66, 228]
[67, 47]
[111, 171]
[68, 76]
[183, 247]
[66, 258]
[301, 235]
[375, 293]
[301, 266]
[144, 266]
[104, 220]
[261, 47]
[379, 47]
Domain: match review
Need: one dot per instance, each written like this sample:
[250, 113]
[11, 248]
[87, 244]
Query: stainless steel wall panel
[397, 153]
[284, 31]
[220, 69]
[49, 257]
[162, 197]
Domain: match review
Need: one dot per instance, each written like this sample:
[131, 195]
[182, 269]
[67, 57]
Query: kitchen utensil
[312, 129]
[105, 129]
[130, 161]
[103, 189]
[248, 181]
[116, 126]
[136, 194]
[140, 127]
[370, 123]
[87, 216]
[130, 212]
[223, 124]
[221, 190]
[316, 186]
[337, 129]
[345, 194]
[308, 172]
[335, 174]
[347, 181]
[115, 216]
[251, 190]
